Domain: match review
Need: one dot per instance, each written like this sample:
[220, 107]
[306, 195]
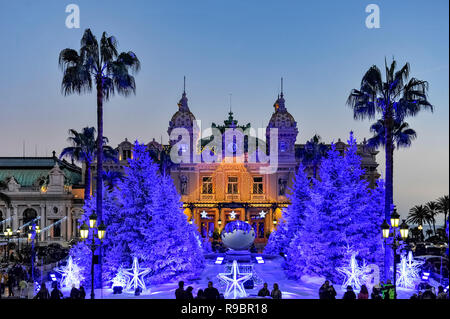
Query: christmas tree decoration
[238, 235]
[408, 271]
[341, 211]
[235, 282]
[136, 274]
[121, 279]
[233, 215]
[354, 275]
[71, 274]
[262, 214]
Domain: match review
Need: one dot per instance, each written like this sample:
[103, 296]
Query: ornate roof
[281, 118]
[30, 171]
[183, 117]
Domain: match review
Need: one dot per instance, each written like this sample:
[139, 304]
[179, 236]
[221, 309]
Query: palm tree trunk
[99, 186]
[99, 194]
[388, 196]
[87, 182]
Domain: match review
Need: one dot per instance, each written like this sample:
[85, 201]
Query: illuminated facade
[214, 193]
[41, 187]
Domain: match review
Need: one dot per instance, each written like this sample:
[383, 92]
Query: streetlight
[84, 233]
[397, 238]
[8, 233]
[33, 237]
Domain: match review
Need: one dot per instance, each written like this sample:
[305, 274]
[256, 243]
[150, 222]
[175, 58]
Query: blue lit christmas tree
[144, 219]
[174, 251]
[299, 196]
[343, 212]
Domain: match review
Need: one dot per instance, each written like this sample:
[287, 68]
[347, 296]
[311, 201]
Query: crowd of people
[212, 293]
[379, 292]
[56, 293]
[15, 280]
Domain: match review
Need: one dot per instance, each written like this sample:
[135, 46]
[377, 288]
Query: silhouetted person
[363, 293]
[264, 291]
[56, 293]
[43, 292]
[211, 292]
[376, 293]
[276, 292]
[200, 294]
[82, 293]
[74, 293]
[349, 294]
[179, 293]
[188, 293]
[327, 291]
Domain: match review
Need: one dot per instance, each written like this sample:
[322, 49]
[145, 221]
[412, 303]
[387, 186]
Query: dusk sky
[320, 48]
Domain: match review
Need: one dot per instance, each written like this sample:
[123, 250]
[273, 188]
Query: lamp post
[8, 233]
[33, 235]
[84, 233]
[398, 234]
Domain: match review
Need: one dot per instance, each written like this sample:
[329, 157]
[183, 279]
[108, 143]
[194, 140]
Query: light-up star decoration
[233, 215]
[262, 214]
[204, 214]
[235, 282]
[71, 274]
[121, 279]
[408, 272]
[354, 275]
[136, 274]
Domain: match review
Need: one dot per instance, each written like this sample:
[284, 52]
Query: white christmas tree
[71, 274]
[121, 279]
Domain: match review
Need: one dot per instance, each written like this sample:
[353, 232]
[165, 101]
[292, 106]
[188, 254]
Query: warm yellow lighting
[84, 231]
[395, 218]
[420, 227]
[404, 229]
[101, 231]
[92, 220]
[385, 229]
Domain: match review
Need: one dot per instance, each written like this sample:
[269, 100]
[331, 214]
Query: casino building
[214, 193]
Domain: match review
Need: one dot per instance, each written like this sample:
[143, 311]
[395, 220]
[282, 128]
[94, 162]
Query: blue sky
[321, 48]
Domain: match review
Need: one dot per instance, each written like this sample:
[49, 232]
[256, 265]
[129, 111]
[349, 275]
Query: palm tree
[162, 158]
[395, 98]
[109, 70]
[419, 215]
[111, 178]
[402, 134]
[313, 153]
[442, 203]
[84, 149]
[432, 212]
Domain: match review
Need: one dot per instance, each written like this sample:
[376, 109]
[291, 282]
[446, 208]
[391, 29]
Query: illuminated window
[258, 185]
[207, 185]
[232, 187]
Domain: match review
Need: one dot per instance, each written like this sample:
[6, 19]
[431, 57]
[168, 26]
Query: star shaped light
[233, 215]
[204, 214]
[408, 272]
[71, 274]
[262, 214]
[137, 274]
[235, 282]
[354, 274]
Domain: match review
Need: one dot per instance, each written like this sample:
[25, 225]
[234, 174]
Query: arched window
[28, 215]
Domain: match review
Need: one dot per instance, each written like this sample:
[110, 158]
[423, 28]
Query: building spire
[184, 84]
[281, 94]
[183, 103]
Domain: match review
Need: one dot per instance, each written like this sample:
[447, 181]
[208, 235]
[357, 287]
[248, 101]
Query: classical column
[43, 221]
[15, 218]
[69, 223]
